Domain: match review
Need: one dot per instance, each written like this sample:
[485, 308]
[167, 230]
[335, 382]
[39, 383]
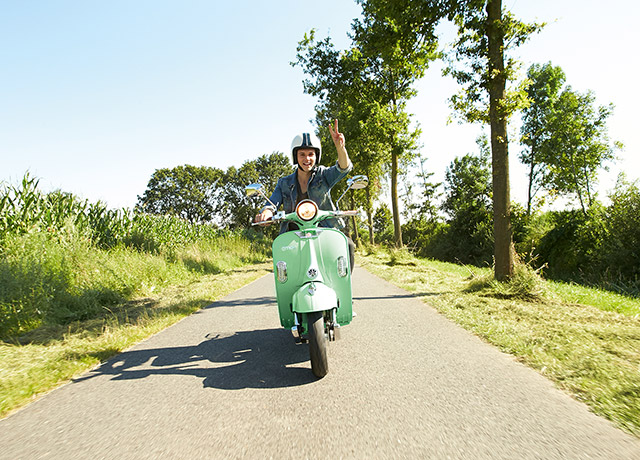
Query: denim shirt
[319, 189]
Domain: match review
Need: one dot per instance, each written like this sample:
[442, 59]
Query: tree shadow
[264, 301]
[415, 295]
[248, 359]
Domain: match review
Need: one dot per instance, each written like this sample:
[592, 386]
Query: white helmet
[305, 140]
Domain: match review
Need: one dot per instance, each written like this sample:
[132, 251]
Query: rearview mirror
[354, 183]
[253, 189]
[358, 182]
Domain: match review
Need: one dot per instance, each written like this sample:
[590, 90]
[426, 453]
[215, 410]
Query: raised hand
[338, 140]
[337, 136]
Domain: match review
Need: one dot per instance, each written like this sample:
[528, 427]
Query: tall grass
[63, 259]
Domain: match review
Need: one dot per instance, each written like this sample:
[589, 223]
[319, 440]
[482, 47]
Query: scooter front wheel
[317, 344]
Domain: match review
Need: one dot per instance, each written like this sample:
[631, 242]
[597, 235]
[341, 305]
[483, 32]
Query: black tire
[317, 345]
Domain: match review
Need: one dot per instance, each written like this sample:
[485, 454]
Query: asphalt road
[228, 382]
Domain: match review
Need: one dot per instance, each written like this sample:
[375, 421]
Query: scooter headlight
[307, 210]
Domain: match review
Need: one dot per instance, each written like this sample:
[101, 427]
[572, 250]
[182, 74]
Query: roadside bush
[424, 238]
[573, 246]
[621, 250]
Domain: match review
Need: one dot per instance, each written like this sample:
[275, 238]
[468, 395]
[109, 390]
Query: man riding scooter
[311, 181]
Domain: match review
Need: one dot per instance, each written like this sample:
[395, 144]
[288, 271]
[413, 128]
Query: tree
[237, 210]
[425, 208]
[382, 221]
[622, 248]
[337, 80]
[468, 203]
[578, 146]
[374, 77]
[485, 32]
[189, 192]
[397, 58]
[565, 137]
[546, 81]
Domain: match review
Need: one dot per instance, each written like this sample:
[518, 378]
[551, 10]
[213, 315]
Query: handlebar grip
[264, 223]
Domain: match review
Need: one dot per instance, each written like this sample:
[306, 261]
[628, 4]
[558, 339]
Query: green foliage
[621, 250]
[579, 146]
[64, 260]
[599, 247]
[383, 224]
[185, 191]
[468, 206]
[573, 243]
[545, 84]
[468, 184]
[368, 86]
[210, 196]
[469, 62]
[425, 205]
[565, 137]
[467, 235]
[427, 238]
[236, 209]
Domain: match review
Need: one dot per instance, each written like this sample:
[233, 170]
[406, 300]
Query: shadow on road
[266, 302]
[248, 359]
[414, 295]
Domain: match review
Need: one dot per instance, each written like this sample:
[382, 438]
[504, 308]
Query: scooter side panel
[334, 244]
[296, 251]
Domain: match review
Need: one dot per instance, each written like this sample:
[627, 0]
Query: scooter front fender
[314, 296]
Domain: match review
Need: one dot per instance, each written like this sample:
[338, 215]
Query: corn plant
[55, 248]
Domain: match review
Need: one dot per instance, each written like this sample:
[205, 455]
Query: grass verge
[586, 341]
[51, 355]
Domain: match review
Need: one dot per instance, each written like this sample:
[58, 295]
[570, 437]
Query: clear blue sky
[95, 96]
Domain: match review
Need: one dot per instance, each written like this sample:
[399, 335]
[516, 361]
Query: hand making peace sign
[338, 140]
[337, 136]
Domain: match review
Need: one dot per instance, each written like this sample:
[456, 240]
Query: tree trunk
[532, 171]
[576, 182]
[530, 192]
[356, 235]
[499, 143]
[370, 217]
[397, 229]
[395, 152]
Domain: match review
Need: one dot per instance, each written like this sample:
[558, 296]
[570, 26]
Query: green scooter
[313, 275]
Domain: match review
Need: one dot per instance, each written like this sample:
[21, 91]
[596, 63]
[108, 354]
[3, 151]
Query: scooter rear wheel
[317, 344]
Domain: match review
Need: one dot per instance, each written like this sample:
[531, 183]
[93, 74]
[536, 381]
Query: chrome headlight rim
[307, 210]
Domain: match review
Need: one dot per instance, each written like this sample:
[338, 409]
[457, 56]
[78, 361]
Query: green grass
[80, 282]
[50, 355]
[48, 280]
[587, 341]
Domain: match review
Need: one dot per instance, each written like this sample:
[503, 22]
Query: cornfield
[24, 209]
[65, 259]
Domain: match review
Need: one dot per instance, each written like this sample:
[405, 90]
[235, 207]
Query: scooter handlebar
[280, 215]
[277, 217]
